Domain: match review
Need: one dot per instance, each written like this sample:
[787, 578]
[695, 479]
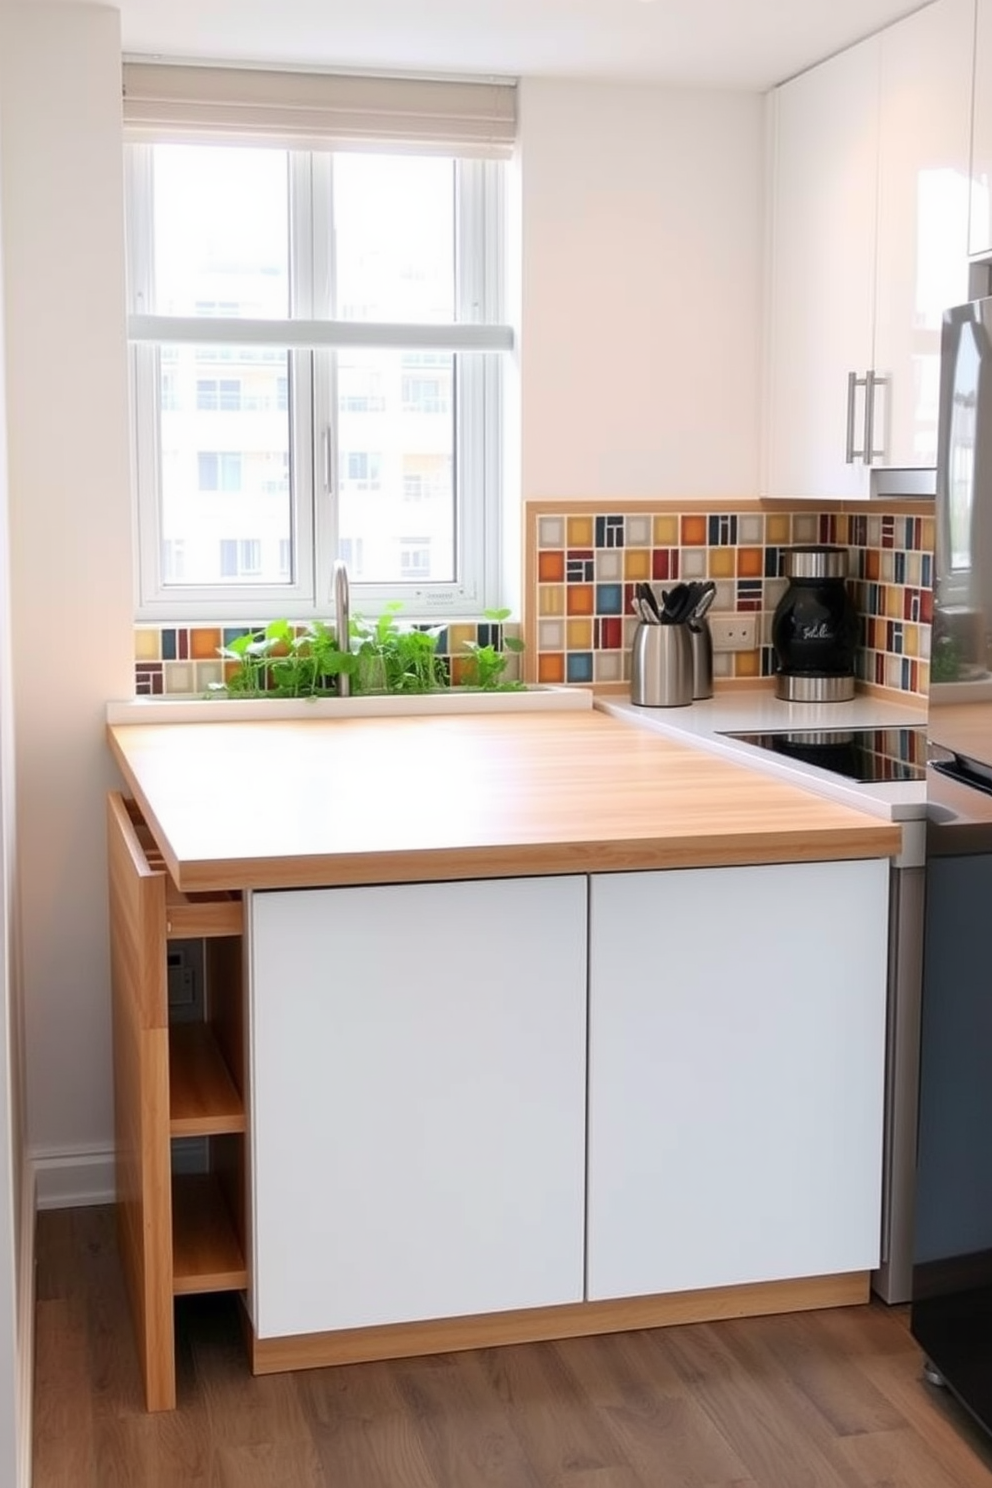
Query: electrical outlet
[734, 632]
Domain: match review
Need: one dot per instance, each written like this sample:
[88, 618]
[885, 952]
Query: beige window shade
[313, 110]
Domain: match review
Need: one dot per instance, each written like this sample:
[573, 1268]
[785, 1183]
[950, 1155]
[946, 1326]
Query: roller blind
[304, 110]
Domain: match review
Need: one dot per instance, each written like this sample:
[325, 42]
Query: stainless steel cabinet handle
[870, 453]
[852, 385]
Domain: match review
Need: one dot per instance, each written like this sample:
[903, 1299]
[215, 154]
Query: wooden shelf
[206, 1255]
[190, 916]
[203, 1099]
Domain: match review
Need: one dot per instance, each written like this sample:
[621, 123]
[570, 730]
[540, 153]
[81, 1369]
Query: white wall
[639, 307]
[641, 290]
[70, 548]
[16, 1189]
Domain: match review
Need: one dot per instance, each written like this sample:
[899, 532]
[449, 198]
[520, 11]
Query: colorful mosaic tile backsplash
[583, 567]
[182, 661]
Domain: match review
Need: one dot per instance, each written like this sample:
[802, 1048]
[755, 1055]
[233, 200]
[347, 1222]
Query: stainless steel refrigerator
[951, 1313]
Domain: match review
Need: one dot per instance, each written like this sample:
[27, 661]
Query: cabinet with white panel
[418, 1101]
[980, 229]
[868, 244]
[736, 1058]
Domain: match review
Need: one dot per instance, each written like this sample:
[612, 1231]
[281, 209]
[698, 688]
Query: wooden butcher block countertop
[358, 801]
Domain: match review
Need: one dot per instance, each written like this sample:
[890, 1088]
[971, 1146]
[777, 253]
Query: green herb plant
[391, 657]
[486, 665]
[384, 656]
[279, 662]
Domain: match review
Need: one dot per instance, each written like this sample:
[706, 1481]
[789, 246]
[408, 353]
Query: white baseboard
[72, 1179]
[85, 1175]
[25, 1326]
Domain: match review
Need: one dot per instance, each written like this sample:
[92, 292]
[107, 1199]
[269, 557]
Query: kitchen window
[312, 329]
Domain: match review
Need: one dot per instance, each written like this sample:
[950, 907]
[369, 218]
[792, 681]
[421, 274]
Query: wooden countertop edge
[150, 819]
[719, 846]
[531, 860]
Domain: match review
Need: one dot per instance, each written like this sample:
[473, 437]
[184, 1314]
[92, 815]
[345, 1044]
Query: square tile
[664, 565]
[637, 563]
[551, 566]
[725, 597]
[694, 531]
[580, 599]
[692, 563]
[207, 673]
[805, 528]
[551, 667]
[747, 663]
[551, 532]
[147, 644]
[178, 676]
[638, 532]
[721, 562]
[666, 532]
[579, 635]
[580, 532]
[609, 531]
[609, 564]
[778, 529]
[609, 600]
[580, 567]
[551, 599]
[578, 666]
[459, 636]
[609, 635]
[722, 531]
[550, 635]
[751, 530]
[723, 664]
[608, 666]
[750, 563]
[204, 643]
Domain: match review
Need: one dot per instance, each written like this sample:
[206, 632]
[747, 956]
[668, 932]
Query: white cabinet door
[980, 232]
[736, 1068]
[418, 1101]
[922, 247]
[821, 273]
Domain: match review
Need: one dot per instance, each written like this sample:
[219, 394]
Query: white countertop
[746, 709]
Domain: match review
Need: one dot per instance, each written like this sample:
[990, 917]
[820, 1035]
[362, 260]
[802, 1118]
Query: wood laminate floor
[816, 1400]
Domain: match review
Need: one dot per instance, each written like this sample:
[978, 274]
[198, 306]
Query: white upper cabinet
[921, 260]
[868, 244]
[821, 286]
[980, 233]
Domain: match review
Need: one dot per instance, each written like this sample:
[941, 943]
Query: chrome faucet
[342, 621]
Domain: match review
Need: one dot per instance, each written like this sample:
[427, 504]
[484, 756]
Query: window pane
[224, 440]
[221, 231]
[396, 482]
[394, 238]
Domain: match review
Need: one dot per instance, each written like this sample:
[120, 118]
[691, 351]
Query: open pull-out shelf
[179, 1233]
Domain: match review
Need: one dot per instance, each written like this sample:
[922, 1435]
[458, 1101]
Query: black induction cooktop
[862, 754]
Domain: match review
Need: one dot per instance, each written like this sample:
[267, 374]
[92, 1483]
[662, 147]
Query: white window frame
[310, 337]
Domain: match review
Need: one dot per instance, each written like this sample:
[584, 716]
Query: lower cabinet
[736, 1065]
[418, 1101]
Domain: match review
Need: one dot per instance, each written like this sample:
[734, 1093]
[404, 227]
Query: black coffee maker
[815, 628]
